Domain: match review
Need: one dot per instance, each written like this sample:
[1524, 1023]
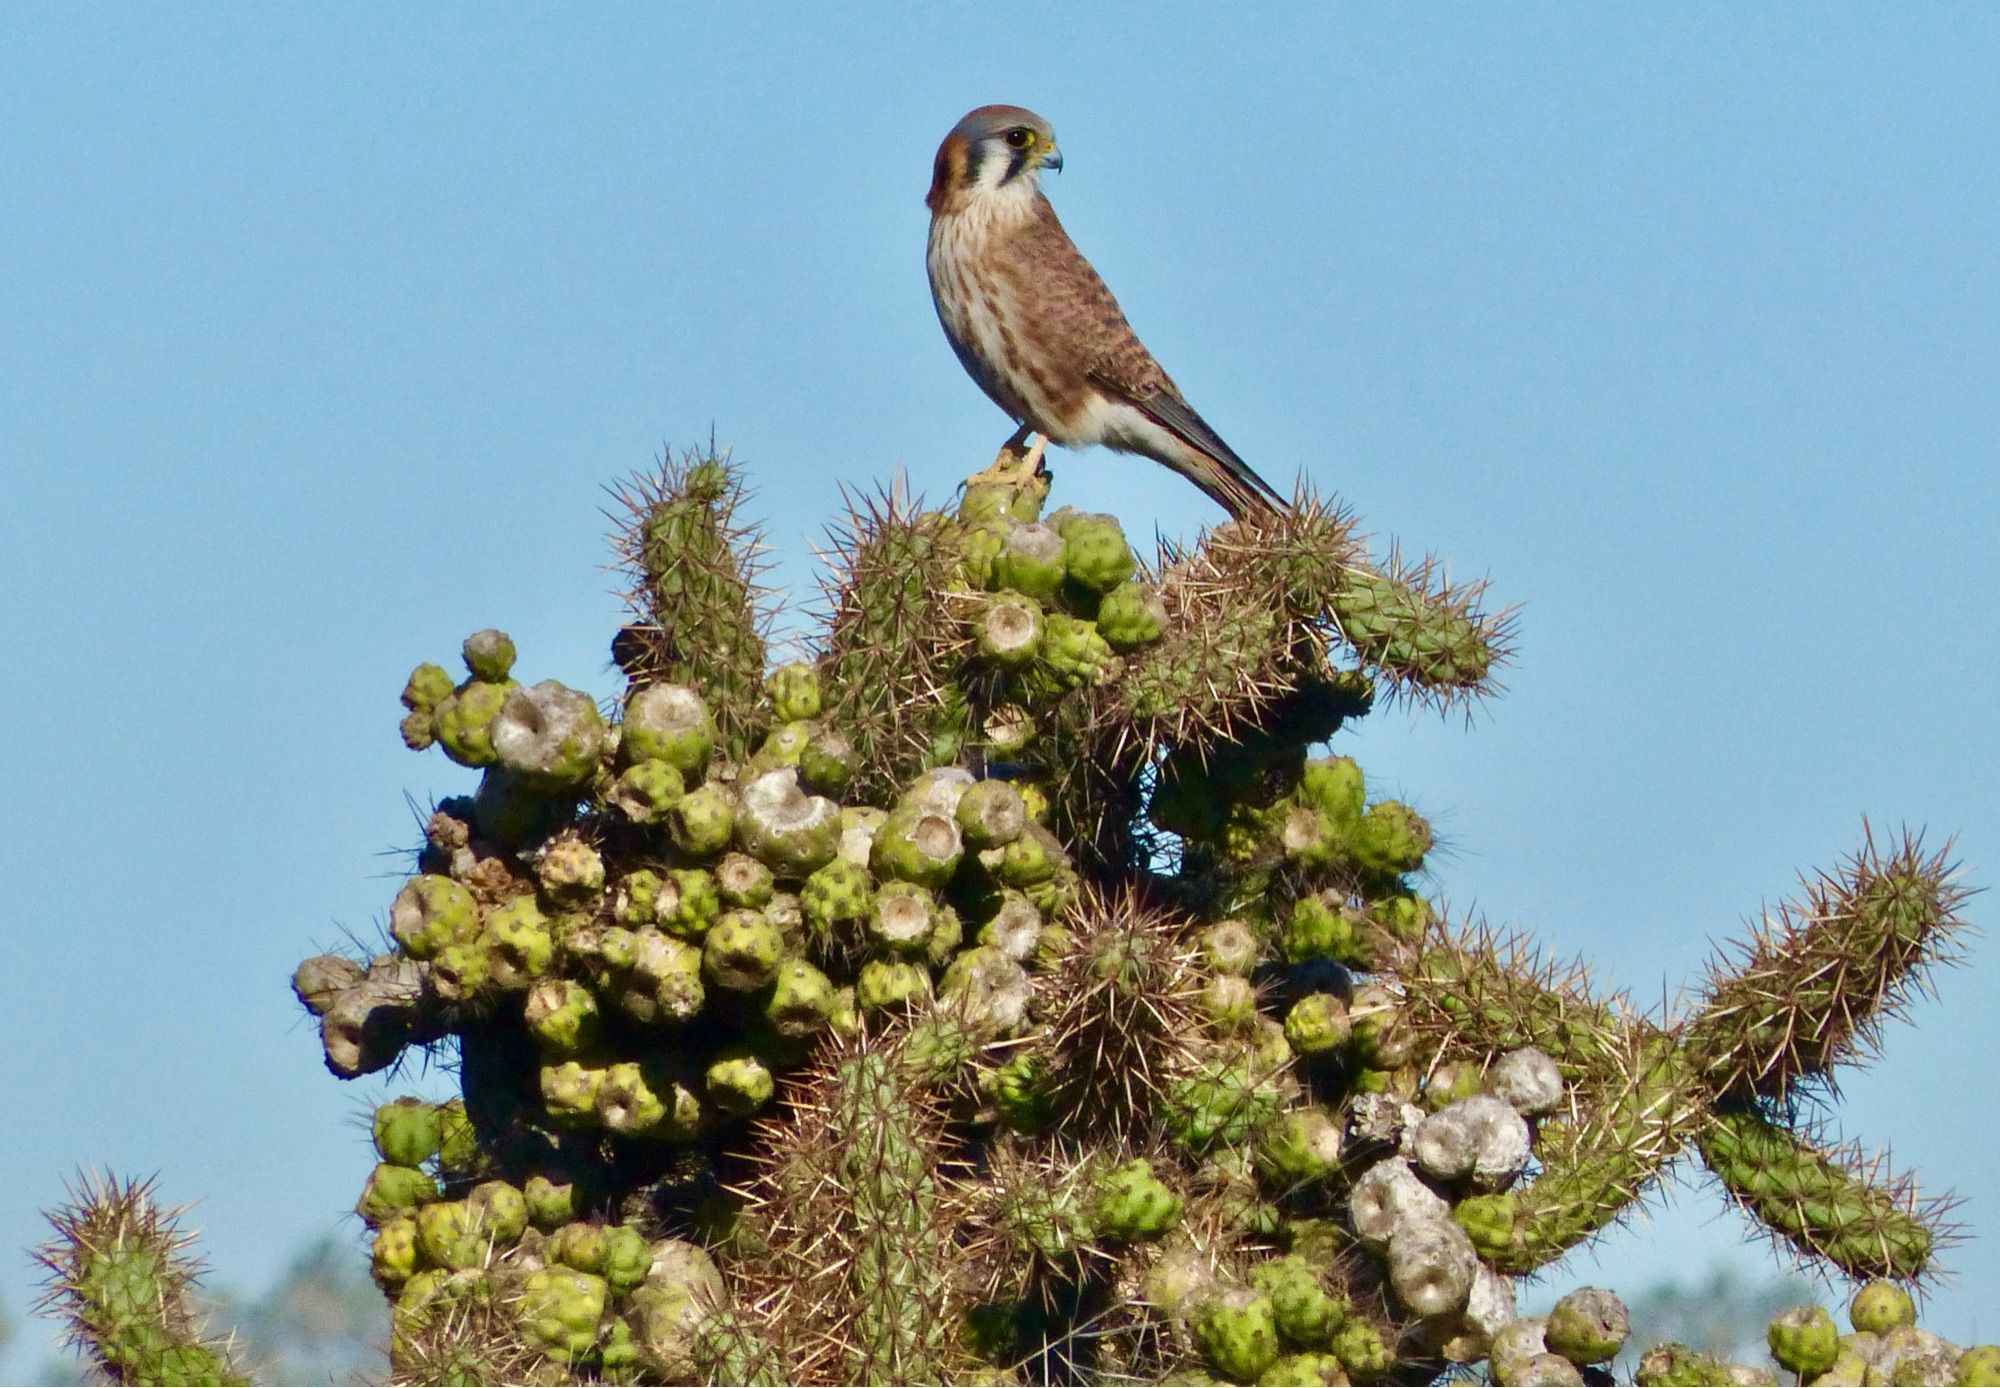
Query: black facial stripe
[1017, 160]
[975, 155]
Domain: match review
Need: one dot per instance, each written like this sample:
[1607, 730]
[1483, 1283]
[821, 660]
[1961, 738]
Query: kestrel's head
[994, 149]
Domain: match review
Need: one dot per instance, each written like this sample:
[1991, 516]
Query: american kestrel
[1036, 328]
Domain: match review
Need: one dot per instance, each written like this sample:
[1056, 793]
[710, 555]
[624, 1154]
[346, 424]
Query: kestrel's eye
[1020, 137]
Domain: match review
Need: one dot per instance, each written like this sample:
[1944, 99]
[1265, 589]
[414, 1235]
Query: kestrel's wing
[1078, 324]
[1231, 481]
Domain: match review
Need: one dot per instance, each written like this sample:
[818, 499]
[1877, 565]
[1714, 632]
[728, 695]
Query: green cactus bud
[1075, 653]
[1030, 860]
[392, 1192]
[463, 722]
[628, 1257]
[635, 899]
[1319, 927]
[1306, 1314]
[689, 903]
[569, 1091]
[1489, 1220]
[839, 891]
[783, 748]
[499, 1209]
[1315, 1023]
[1879, 1306]
[741, 951]
[571, 872]
[1237, 1330]
[996, 502]
[801, 1001]
[1335, 787]
[1804, 1339]
[1391, 838]
[579, 1245]
[1360, 1347]
[1095, 553]
[489, 654]
[704, 820]
[739, 1081]
[428, 686]
[669, 723]
[1672, 1365]
[393, 1257]
[1030, 561]
[450, 1235]
[458, 1143]
[561, 1309]
[1131, 616]
[646, 792]
[1022, 1091]
[551, 1203]
[743, 882]
[1588, 1326]
[518, 943]
[915, 846]
[550, 735]
[794, 692]
[1305, 1369]
[1218, 1105]
[1980, 1365]
[562, 1016]
[828, 762]
[978, 548]
[406, 1131]
[1129, 1204]
[1298, 1147]
[886, 983]
[433, 913]
[791, 831]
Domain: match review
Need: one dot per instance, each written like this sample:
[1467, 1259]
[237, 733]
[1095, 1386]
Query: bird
[1035, 327]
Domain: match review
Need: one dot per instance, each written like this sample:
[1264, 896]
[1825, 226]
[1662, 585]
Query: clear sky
[321, 329]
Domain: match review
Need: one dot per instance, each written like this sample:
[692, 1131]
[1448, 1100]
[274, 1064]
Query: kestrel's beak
[1053, 159]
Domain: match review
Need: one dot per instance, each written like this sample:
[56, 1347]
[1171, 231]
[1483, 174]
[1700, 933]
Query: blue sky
[325, 326]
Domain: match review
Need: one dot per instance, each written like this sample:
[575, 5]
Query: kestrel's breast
[1007, 326]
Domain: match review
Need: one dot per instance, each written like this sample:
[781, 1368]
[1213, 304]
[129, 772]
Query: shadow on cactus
[1008, 994]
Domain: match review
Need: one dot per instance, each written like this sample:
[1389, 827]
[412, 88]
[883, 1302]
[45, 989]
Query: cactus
[120, 1278]
[1009, 993]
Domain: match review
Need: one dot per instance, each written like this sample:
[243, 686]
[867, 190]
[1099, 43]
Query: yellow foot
[1014, 466]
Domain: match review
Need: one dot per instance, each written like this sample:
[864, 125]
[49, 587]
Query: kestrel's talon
[1013, 466]
[1036, 328]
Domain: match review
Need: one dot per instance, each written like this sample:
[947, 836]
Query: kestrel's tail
[1212, 464]
[1232, 485]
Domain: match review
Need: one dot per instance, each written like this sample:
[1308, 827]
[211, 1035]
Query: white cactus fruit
[1482, 1138]
[1527, 1079]
[1431, 1266]
[1389, 1196]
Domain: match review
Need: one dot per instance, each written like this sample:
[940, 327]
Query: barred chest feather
[985, 304]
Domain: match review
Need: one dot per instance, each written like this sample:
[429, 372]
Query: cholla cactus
[1010, 994]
